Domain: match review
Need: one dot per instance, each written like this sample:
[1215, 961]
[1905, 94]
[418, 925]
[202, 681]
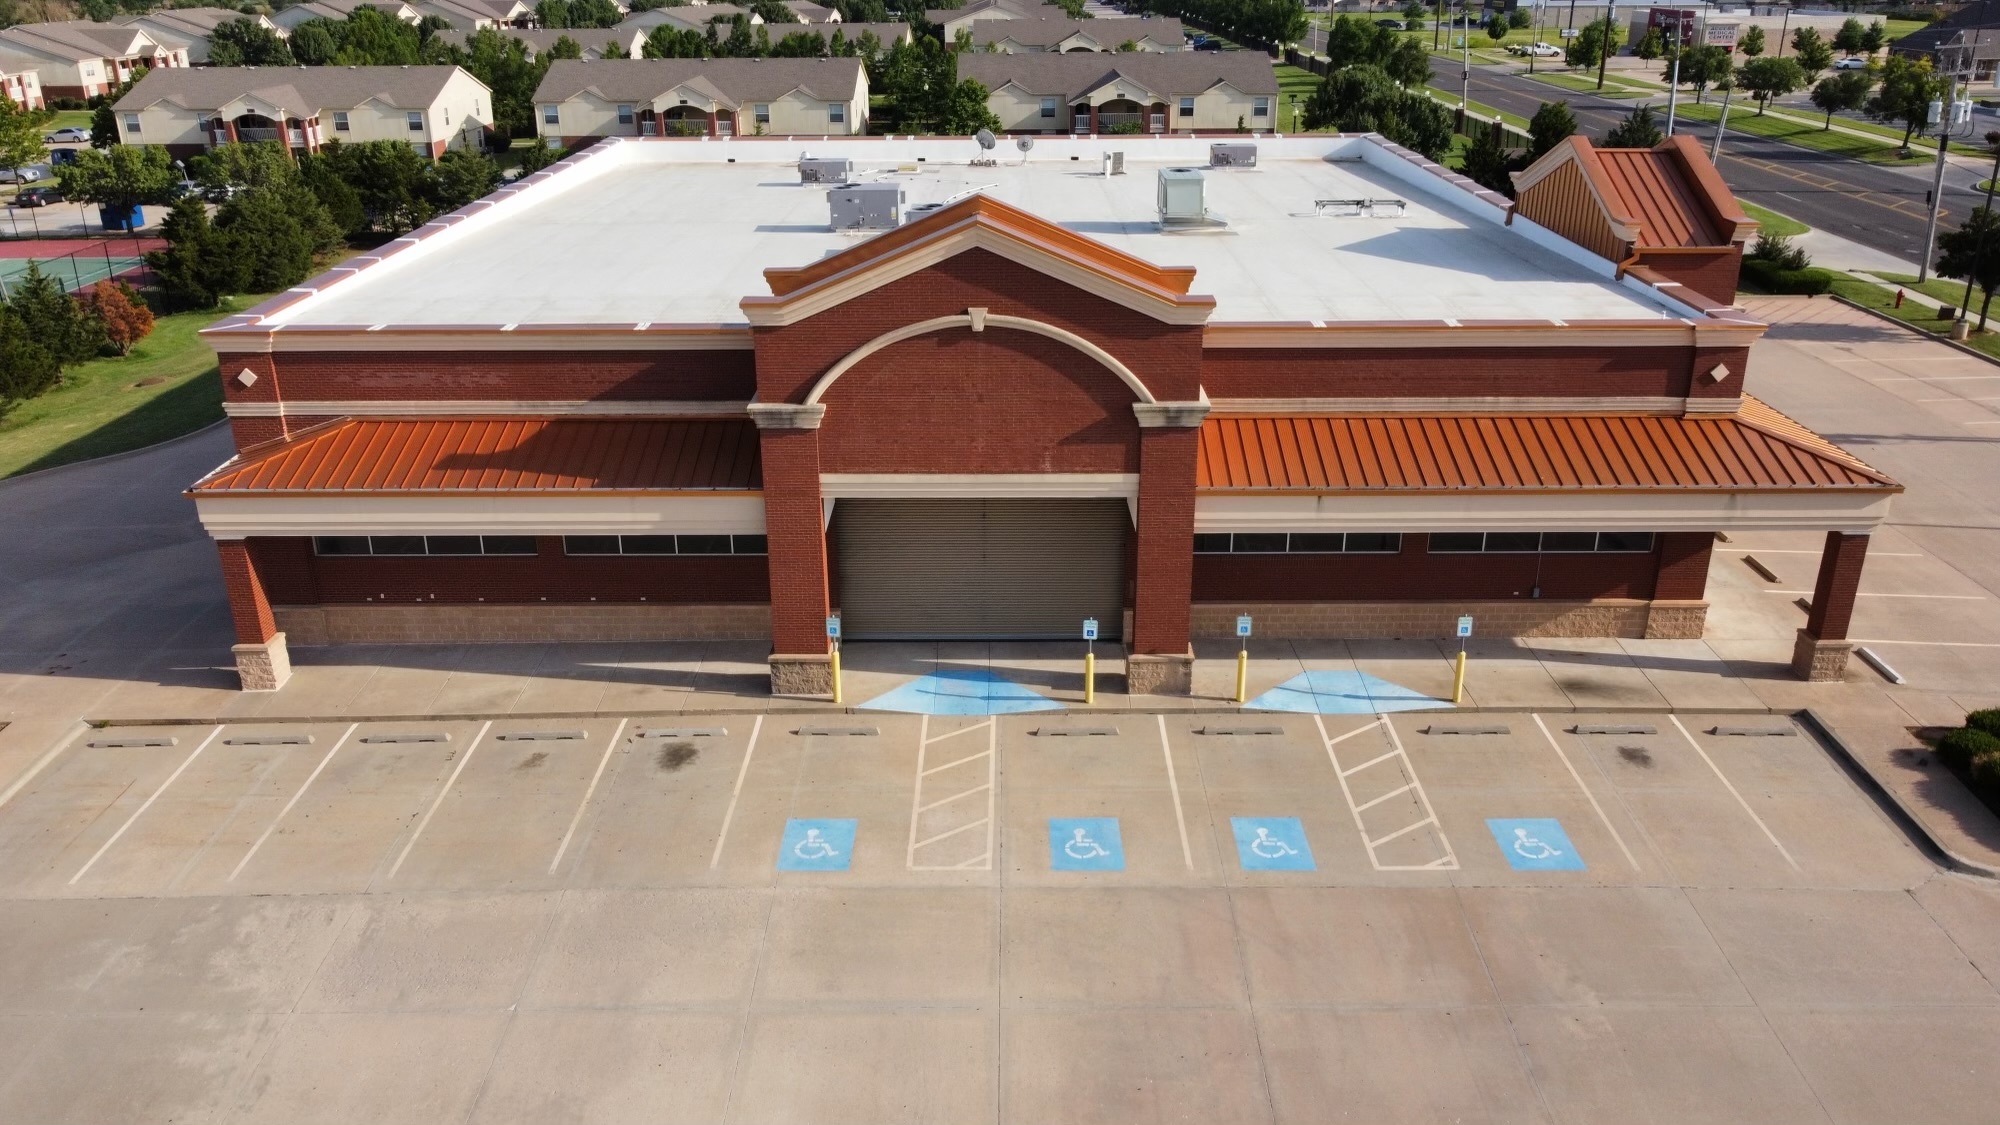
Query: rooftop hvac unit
[1235, 154]
[1181, 202]
[825, 170]
[866, 206]
[1114, 163]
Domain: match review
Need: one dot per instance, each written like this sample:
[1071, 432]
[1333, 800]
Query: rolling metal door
[1016, 569]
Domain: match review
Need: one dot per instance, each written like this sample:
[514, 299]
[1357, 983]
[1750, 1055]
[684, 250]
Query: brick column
[1822, 648]
[1160, 660]
[795, 530]
[1679, 610]
[262, 661]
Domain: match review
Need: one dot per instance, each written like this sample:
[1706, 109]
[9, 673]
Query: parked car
[221, 193]
[1851, 62]
[1545, 50]
[1392, 25]
[68, 135]
[38, 196]
[1208, 45]
[25, 174]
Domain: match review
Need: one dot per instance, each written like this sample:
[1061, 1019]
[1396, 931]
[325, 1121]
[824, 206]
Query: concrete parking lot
[884, 918]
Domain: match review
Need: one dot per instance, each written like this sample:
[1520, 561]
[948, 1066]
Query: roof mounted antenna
[986, 141]
[1024, 143]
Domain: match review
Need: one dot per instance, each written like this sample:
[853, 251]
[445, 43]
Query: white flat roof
[677, 232]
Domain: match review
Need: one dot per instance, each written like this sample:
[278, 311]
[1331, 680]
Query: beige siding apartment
[80, 59]
[1175, 92]
[188, 29]
[594, 41]
[433, 108]
[1020, 37]
[20, 82]
[578, 100]
[289, 18]
[951, 20]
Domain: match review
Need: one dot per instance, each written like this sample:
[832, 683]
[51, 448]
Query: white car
[25, 174]
[1545, 50]
[1851, 62]
[69, 135]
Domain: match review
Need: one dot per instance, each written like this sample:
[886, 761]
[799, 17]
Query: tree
[502, 63]
[1842, 93]
[1409, 64]
[1907, 88]
[1752, 43]
[369, 37]
[1700, 67]
[800, 45]
[124, 318]
[1774, 77]
[314, 42]
[1519, 19]
[461, 176]
[1415, 10]
[53, 317]
[189, 270]
[342, 202]
[665, 42]
[1874, 38]
[277, 233]
[773, 11]
[1811, 51]
[103, 127]
[1848, 39]
[252, 164]
[1496, 28]
[1638, 130]
[21, 133]
[613, 50]
[1650, 45]
[1548, 127]
[119, 178]
[1973, 251]
[245, 42]
[552, 13]
[565, 48]
[26, 367]
[1487, 161]
[391, 180]
[1587, 49]
[1363, 99]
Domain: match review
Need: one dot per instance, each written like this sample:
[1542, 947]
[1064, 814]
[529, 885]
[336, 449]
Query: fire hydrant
[1899, 298]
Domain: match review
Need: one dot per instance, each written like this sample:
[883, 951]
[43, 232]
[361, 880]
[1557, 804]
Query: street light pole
[1992, 142]
[1782, 25]
[1674, 82]
[1947, 109]
[1721, 122]
[1604, 47]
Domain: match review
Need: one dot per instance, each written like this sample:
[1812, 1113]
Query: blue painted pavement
[962, 691]
[1271, 843]
[816, 845]
[1534, 844]
[1085, 843]
[1341, 691]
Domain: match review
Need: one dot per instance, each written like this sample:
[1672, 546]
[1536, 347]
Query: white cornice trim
[1714, 405]
[1806, 510]
[1498, 404]
[877, 272]
[849, 486]
[234, 517]
[979, 320]
[1439, 334]
[647, 408]
[522, 338]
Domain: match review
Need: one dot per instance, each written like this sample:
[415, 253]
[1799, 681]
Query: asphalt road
[1880, 207]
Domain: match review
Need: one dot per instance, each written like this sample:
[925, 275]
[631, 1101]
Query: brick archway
[979, 320]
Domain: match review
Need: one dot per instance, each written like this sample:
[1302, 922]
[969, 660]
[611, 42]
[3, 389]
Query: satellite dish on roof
[1024, 143]
[986, 138]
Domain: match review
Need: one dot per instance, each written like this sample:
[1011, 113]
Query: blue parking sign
[1534, 844]
[1271, 843]
[816, 845]
[1085, 843]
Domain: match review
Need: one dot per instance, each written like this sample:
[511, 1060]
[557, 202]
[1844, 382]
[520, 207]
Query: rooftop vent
[1114, 163]
[1234, 154]
[1366, 207]
[825, 170]
[866, 206]
[1181, 198]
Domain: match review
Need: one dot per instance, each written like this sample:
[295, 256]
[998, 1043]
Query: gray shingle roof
[1171, 74]
[999, 9]
[303, 90]
[1048, 32]
[589, 38]
[734, 80]
[187, 21]
[79, 39]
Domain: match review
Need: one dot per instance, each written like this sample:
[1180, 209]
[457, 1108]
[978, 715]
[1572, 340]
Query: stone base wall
[263, 667]
[801, 674]
[1147, 674]
[1820, 661]
[493, 624]
[1513, 618]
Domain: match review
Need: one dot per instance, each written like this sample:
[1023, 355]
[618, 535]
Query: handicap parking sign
[1085, 843]
[816, 845]
[1534, 844]
[1271, 843]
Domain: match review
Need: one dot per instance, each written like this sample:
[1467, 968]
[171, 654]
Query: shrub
[1987, 720]
[1986, 771]
[1775, 279]
[1778, 250]
[125, 317]
[1958, 748]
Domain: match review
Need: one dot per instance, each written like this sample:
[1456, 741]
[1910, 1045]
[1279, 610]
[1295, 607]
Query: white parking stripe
[1765, 828]
[1174, 786]
[1592, 797]
[918, 806]
[585, 803]
[1866, 594]
[275, 821]
[140, 811]
[442, 793]
[743, 772]
[1446, 862]
[42, 763]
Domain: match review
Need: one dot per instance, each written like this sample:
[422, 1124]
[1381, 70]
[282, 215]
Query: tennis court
[73, 271]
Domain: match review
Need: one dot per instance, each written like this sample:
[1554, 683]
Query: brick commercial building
[666, 389]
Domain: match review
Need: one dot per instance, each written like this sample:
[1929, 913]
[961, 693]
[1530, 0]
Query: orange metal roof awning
[532, 454]
[1755, 449]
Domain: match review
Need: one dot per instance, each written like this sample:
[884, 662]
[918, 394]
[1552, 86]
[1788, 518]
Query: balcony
[248, 135]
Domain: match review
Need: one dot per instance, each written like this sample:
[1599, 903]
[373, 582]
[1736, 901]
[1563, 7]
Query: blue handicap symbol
[1271, 843]
[1085, 843]
[1534, 844]
[816, 845]
[961, 691]
[1341, 691]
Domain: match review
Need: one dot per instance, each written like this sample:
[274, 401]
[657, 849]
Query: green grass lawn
[1882, 298]
[67, 117]
[1587, 84]
[167, 387]
[1937, 288]
[1799, 132]
[1770, 222]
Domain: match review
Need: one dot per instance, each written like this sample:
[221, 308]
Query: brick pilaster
[1839, 580]
[249, 607]
[1164, 578]
[796, 531]
[1683, 568]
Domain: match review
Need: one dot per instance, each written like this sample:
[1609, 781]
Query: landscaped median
[1743, 118]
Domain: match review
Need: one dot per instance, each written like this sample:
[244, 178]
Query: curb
[121, 454]
[1905, 817]
[1924, 332]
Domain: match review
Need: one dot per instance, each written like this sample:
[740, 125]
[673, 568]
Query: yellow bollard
[1242, 674]
[835, 661]
[1458, 680]
[1089, 678]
